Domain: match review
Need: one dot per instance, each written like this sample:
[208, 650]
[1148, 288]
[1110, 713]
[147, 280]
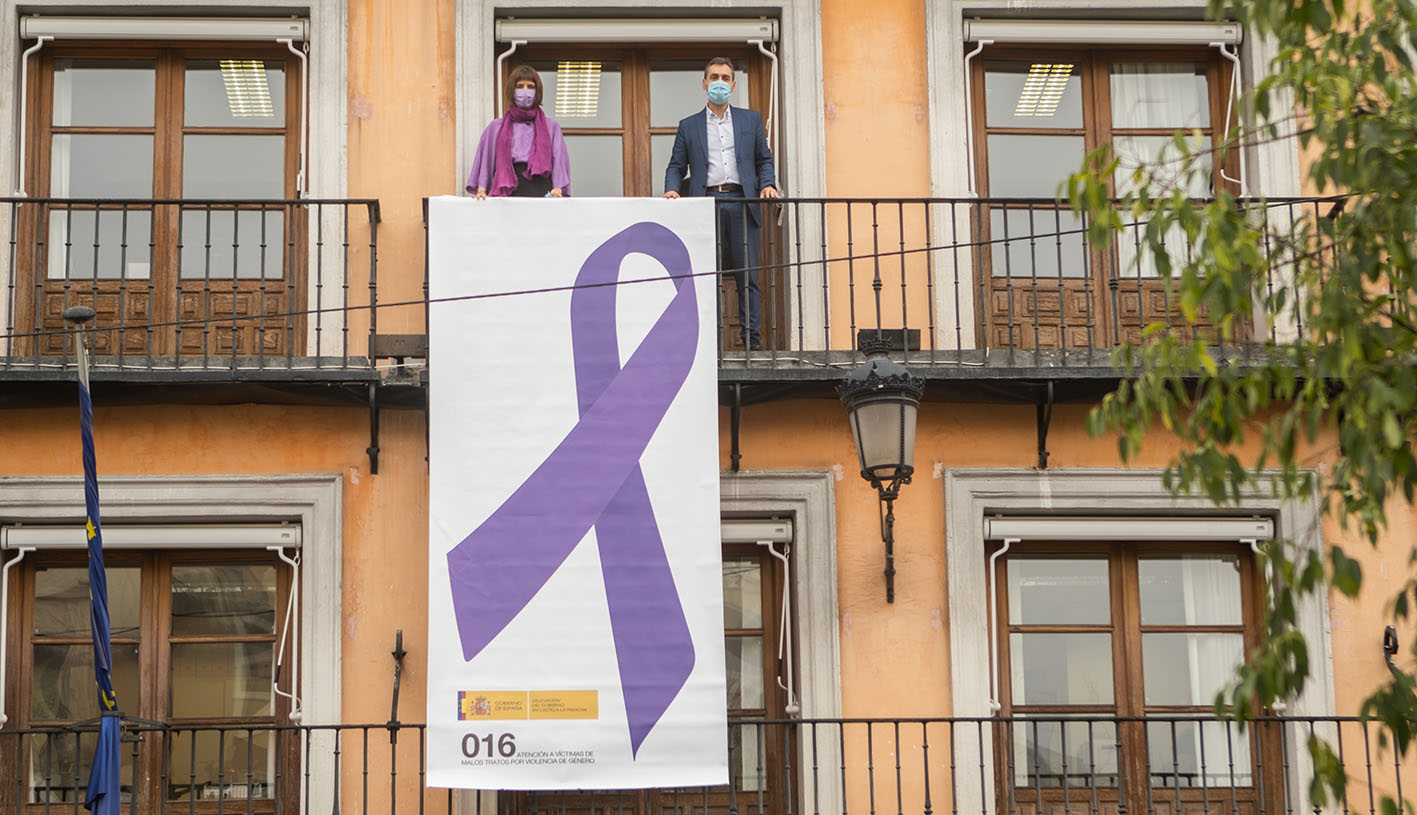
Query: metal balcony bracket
[398, 653]
[1045, 418]
[734, 414]
[373, 449]
[409, 353]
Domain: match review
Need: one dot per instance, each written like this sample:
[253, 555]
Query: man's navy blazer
[750, 143]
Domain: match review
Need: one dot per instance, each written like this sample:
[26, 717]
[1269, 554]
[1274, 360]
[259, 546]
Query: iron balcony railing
[922, 766]
[966, 283]
[187, 284]
[978, 282]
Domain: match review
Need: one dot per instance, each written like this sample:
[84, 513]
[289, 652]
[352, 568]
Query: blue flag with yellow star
[102, 797]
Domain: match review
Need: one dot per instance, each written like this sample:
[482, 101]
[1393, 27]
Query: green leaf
[1392, 434]
[1347, 573]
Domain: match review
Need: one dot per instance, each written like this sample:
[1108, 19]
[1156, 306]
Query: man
[725, 151]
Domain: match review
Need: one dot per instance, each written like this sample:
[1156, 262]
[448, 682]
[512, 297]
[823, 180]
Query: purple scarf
[504, 177]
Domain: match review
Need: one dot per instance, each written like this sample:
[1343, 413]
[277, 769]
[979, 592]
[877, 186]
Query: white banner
[575, 621]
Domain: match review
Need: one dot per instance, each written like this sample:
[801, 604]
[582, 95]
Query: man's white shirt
[722, 156]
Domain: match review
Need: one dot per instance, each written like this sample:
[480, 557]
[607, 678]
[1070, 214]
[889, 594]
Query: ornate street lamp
[882, 399]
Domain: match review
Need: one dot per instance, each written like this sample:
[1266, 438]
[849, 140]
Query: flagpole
[76, 317]
[104, 788]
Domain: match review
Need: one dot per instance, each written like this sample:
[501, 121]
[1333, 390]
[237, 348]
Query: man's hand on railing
[765, 192]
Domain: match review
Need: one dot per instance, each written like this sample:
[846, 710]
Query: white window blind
[752, 530]
[623, 30]
[184, 536]
[1067, 528]
[1103, 32]
[225, 29]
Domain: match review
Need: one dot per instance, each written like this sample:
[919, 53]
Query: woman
[523, 153]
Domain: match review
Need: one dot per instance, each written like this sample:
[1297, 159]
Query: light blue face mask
[718, 91]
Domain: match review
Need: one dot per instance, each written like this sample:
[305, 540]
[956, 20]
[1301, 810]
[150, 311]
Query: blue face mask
[718, 91]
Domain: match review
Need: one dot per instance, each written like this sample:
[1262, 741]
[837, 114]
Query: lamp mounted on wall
[882, 399]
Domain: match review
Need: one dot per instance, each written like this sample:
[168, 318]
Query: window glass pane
[223, 599]
[61, 601]
[1033, 94]
[1042, 242]
[103, 92]
[1198, 754]
[1059, 591]
[234, 93]
[1045, 753]
[1032, 166]
[110, 243]
[1159, 94]
[1188, 669]
[233, 166]
[1061, 669]
[745, 744]
[1190, 590]
[676, 89]
[221, 679]
[220, 243]
[742, 593]
[216, 766]
[62, 686]
[745, 672]
[597, 166]
[107, 165]
[1136, 258]
[59, 769]
[660, 148]
[1160, 153]
[581, 93]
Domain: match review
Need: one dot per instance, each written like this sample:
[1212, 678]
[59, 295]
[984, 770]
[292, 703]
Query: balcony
[919, 766]
[192, 290]
[970, 290]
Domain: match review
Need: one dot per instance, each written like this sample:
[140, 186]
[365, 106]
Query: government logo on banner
[574, 589]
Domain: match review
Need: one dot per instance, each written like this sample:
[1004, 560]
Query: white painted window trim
[808, 498]
[1272, 168]
[312, 501]
[972, 494]
[325, 160]
[801, 159]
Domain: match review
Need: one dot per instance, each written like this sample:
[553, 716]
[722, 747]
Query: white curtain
[59, 164]
[1211, 596]
[1159, 94]
[1156, 94]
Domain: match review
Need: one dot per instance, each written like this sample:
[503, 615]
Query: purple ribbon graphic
[593, 478]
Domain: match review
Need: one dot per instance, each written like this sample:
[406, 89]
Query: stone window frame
[1271, 168]
[315, 502]
[801, 127]
[973, 494]
[327, 88]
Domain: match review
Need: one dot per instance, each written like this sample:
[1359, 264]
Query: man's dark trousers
[738, 254]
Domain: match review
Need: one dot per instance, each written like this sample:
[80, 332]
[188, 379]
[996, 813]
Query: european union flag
[102, 797]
